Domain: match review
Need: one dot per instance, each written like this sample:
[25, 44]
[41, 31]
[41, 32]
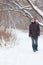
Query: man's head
[33, 20]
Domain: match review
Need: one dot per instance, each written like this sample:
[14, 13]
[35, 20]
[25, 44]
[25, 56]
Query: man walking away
[34, 32]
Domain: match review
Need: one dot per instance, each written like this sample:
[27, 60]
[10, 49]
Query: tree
[23, 9]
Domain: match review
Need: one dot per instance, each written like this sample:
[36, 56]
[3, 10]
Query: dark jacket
[34, 30]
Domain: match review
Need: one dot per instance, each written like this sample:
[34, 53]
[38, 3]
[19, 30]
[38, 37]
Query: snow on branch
[27, 7]
[25, 12]
[40, 12]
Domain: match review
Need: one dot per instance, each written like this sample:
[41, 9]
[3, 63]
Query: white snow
[22, 53]
[36, 8]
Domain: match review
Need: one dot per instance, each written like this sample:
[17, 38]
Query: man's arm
[29, 30]
[38, 27]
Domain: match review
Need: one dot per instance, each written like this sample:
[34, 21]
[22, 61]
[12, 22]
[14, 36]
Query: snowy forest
[15, 44]
[17, 14]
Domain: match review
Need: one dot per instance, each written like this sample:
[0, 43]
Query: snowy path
[22, 53]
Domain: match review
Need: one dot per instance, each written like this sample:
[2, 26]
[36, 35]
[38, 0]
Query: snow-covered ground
[22, 53]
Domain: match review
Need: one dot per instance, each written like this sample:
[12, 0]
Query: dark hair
[34, 18]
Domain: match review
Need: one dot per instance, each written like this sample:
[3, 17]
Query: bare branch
[40, 12]
[25, 11]
[27, 14]
[27, 7]
[6, 5]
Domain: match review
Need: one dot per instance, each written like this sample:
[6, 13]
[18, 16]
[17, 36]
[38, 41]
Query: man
[34, 32]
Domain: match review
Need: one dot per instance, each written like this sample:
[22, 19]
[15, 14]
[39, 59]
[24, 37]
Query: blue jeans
[35, 43]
